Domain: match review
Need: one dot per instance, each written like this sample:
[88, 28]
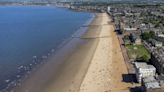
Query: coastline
[107, 71]
[66, 50]
[87, 63]
[25, 5]
[62, 53]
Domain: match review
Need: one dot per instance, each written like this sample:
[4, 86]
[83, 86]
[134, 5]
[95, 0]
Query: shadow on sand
[136, 89]
[117, 31]
[130, 78]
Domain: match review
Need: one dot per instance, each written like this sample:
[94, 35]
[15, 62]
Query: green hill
[82, 0]
[67, 0]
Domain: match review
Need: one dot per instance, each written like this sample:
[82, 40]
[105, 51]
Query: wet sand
[96, 21]
[64, 70]
[92, 32]
[91, 63]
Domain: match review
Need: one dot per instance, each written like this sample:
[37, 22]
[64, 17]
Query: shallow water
[28, 34]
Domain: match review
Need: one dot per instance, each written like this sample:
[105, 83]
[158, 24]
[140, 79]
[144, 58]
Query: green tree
[158, 48]
[153, 21]
[142, 14]
[162, 21]
[126, 37]
[143, 58]
[146, 20]
[131, 26]
[146, 36]
[157, 25]
[152, 33]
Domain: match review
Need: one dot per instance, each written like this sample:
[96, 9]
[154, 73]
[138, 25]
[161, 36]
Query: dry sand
[96, 65]
[107, 67]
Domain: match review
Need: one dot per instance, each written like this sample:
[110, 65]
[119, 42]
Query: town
[140, 31]
[139, 28]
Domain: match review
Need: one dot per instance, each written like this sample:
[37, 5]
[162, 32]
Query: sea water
[29, 34]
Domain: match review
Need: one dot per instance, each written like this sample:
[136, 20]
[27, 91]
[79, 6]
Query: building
[127, 31]
[161, 79]
[121, 26]
[135, 38]
[108, 9]
[150, 84]
[157, 43]
[160, 38]
[157, 59]
[145, 30]
[137, 14]
[137, 41]
[160, 35]
[143, 70]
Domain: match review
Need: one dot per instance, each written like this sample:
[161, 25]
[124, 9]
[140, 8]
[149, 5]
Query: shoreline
[65, 53]
[86, 63]
[89, 43]
[59, 49]
[26, 5]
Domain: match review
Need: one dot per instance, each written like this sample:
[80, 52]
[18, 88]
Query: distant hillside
[82, 0]
[70, 0]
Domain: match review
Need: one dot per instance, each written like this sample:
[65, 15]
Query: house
[145, 30]
[156, 30]
[137, 41]
[143, 24]
[135, 38]
[161, 79]
[157, 59]
[157, 43]
[137, 14]
[160, 38]
[127, 31]
[143, 70]
[151, 25]
[121, 26]
[159, 34]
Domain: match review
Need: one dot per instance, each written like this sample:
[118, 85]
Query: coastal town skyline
[82, 46]
[83, 0]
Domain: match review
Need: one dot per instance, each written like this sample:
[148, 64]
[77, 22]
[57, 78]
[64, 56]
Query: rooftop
[149, 79]
[130, 29]
[159, 54]
[143, 65]
[160, 77]
[153, 85]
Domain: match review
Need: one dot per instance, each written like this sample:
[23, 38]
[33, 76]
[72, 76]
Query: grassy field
[139, 51]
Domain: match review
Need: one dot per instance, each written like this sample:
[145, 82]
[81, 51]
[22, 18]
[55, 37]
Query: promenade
[126, 57]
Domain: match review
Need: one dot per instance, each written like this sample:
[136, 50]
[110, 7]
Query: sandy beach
[107, 68]
[90, 63]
